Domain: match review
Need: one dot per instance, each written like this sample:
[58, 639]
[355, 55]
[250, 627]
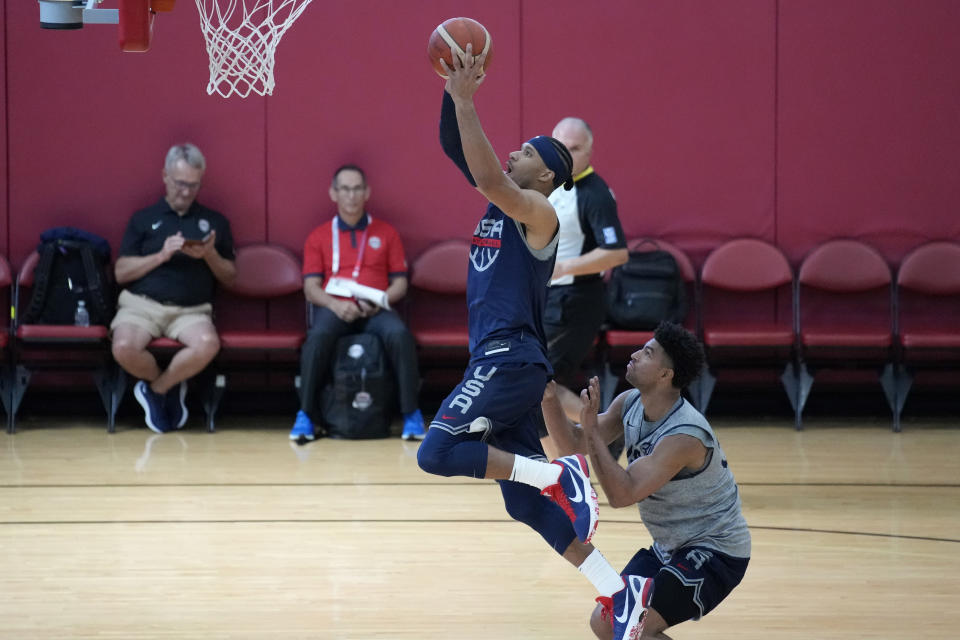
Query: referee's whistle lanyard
[335, 227]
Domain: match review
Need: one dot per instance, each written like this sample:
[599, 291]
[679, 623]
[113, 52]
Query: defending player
[679, 478]
[487, 427]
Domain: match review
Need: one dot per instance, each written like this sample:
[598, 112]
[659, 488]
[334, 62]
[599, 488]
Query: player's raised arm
[521, 196]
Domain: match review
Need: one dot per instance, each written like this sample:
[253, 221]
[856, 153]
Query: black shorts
[571, 320]
[695, 580]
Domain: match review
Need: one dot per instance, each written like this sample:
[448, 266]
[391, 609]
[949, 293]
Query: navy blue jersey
[507, 280]
[506, 291]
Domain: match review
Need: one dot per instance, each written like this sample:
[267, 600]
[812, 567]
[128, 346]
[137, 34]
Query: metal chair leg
[797, 382]
[211, 401]
[896, 382]
[111, 383]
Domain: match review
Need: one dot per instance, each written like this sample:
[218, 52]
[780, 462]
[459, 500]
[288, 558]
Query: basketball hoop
[241, 48]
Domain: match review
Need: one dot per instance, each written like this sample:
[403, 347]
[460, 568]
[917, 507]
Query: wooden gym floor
[240, 534]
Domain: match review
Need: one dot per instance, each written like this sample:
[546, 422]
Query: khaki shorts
[158, 319]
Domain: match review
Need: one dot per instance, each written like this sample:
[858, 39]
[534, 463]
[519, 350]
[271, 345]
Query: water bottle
[82, 317]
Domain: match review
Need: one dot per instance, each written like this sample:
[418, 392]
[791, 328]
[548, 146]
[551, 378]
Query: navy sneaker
[302, 427]
[413, 426]
[576, 496]
[176, 405]
[628, 607]
[154, 407]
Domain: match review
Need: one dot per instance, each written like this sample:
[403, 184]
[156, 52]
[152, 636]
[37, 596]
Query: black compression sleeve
[450, 136]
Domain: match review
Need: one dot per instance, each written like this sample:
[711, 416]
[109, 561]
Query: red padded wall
[869, 134]
[791, 120]
[680, 96]
[3, 136]
[367, 95]
[90, 125]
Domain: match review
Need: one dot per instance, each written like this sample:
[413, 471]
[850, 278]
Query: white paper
[346, 288]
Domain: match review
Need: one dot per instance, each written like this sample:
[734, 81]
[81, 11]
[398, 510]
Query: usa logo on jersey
[486, 243]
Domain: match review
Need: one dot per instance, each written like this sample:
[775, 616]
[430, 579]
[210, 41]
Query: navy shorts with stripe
[688, 587]
[509, 394]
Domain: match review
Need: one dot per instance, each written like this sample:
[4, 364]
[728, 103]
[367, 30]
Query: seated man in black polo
[172, 256]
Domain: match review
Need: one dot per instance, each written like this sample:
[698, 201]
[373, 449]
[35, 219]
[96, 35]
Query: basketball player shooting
[487, 426]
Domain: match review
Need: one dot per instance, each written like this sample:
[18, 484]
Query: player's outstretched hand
[590, 405]
[466, 75]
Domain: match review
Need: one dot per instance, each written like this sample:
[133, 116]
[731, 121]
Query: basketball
[455, 34]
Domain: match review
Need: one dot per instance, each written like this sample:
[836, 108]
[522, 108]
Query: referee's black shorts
[571, 320]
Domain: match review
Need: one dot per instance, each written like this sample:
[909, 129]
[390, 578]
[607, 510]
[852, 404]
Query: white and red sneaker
[627, 608]
[575, 495]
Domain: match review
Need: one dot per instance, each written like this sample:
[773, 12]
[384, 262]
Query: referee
[591, 242]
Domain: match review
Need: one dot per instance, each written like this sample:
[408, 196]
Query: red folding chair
[252, 339]
[437, 309]
[54, 349]
[746, 312]
[844, 317]
[928, 305]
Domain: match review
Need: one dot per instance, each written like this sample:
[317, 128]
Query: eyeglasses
[181, 185]
[345, 190]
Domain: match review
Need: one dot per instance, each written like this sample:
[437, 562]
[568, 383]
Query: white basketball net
[241, 48]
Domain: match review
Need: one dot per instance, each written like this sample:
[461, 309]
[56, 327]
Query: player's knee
[600, 623]
[525, 504]
[672, 602]
[432, 458]
[524, 511]
[653, 624]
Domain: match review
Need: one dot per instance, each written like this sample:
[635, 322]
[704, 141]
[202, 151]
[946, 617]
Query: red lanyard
[336, 246]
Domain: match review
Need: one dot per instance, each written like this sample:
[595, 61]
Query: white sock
[535, 473]
[599, 572]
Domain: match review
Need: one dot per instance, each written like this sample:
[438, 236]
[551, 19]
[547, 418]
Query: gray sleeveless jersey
[699, 508]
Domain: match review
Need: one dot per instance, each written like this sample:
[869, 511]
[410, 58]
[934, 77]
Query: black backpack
[646, 289]
[74, 265]
[359, 401]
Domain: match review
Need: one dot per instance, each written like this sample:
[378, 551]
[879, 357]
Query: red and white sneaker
[575, 495]
[627, 608]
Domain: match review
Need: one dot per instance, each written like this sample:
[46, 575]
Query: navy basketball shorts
[506, 393]
[688, 587]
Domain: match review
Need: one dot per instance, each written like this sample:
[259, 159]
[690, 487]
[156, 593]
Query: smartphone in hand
[193, 242]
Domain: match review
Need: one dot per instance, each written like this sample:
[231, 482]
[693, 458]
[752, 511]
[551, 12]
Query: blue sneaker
[154, 407]
[413, 426]
[302, 427]
[576, 496]
[177, 406]
[628, 607]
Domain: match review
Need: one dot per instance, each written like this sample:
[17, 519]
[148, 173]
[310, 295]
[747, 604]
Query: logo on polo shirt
[609, 235]
[374, 242]
[204, 225]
